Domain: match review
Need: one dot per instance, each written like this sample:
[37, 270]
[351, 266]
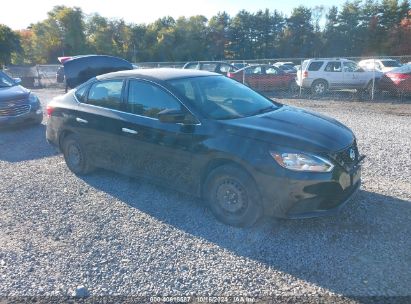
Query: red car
[397, 80]
[264, 77]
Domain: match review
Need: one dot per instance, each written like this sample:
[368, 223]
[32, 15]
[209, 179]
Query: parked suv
[320, 75]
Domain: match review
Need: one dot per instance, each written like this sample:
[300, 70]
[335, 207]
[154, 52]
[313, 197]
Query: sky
[30, 11]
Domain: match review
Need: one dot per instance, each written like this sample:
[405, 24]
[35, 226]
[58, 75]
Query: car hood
[13, 93]
[294, 128]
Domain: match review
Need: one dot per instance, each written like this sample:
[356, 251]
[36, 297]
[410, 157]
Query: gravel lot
[120, 236]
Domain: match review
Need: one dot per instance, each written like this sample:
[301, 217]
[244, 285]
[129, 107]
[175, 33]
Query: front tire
[233, 196]
[75, 156]
[319, 87]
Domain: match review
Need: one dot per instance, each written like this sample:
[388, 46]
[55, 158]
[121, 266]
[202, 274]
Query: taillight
[398, 77]
[305, 74]
[229, 74]
[49, 110]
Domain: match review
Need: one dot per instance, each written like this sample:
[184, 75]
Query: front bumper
[35, 115]
[294, 195]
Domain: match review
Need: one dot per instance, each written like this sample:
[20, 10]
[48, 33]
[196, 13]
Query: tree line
[357, 28]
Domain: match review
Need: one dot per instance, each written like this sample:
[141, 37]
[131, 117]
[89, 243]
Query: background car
[397, 80]
[264, 77]
[79, 69]
[239, 65]
[17, 104]
[321, 75]
[288, 67]
[382, 65]
[211, 66]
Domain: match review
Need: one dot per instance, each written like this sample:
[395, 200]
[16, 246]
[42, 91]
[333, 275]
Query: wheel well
[62, 136]
[215, 163]
[320, 79]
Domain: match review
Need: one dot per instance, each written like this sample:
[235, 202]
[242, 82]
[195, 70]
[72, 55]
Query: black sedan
[17, 104]
[210, 136]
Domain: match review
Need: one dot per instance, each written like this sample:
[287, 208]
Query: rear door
[97, 121]
[152, 148]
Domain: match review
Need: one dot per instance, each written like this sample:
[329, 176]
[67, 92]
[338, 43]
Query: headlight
[33, 99]
[302, 162]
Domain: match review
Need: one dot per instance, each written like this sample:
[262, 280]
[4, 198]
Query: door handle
[125, 130]
[81, 120]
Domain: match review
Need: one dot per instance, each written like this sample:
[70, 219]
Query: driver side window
[148, 99]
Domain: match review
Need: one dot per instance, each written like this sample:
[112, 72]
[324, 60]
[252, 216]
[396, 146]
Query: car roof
[379, 59]
[159, 73]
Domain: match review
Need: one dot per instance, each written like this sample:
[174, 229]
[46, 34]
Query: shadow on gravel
[362, 250]
[24, 143]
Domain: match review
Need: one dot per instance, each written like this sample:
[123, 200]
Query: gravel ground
[119, 236]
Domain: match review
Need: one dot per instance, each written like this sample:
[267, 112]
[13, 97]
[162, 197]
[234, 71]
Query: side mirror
[17, 80]
[172, 116]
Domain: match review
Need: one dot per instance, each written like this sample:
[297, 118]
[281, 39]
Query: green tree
[9, 44]
[218, 39]
[299, 37]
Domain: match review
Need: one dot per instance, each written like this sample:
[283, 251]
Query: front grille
[15, 110]
[344, 158]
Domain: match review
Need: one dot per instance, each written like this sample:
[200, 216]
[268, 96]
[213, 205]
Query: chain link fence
[36, 76]
[385, 78]
[348, 78]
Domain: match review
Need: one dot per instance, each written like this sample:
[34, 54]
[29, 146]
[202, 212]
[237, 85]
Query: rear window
[390, 63]
[406, 69]
[315, 65]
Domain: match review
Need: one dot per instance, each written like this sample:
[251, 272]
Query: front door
[354, 76]
[151, 148]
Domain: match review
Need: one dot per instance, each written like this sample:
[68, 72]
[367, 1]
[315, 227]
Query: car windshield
[390, 63]
[220, 98]
[5, 81]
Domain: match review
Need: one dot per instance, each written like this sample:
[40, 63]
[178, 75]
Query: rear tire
[75, 155]
[233, 196]
[319, 87]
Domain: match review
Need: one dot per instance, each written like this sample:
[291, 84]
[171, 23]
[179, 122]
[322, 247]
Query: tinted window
[211, 67]
[225, 68]
[192, 66]
[147, 99]
[272, 71]
[333, 66]
[106, 94]
[219, 97]
[254, 70]
[81, 93]
[315, 66]
[390, 63]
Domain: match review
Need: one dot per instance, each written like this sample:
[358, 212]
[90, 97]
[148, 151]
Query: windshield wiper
[264, 110]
